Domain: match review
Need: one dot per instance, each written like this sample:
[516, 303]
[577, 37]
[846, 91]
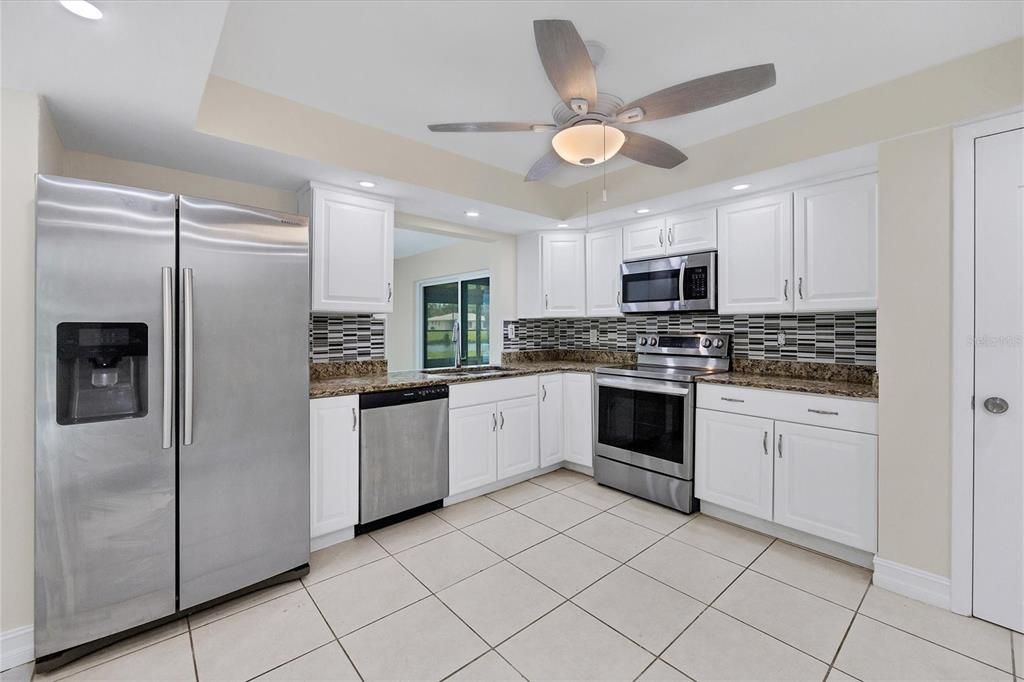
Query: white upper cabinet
[691, 232]
[645, 239]
[563, 274]
[333, 464]
[352, 250]
[604, 283]
[755, 256]
[552, 429]
[836, 245]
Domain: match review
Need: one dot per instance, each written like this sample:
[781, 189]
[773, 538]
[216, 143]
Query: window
[463, 301]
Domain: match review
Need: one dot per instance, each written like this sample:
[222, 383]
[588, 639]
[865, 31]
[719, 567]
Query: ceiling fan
[587, 122]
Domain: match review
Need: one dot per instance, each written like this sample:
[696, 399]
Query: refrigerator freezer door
[105, 489]
[244, 386]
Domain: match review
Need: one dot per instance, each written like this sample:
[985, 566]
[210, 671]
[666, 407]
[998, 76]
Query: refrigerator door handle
[189, 355]
[167, 274]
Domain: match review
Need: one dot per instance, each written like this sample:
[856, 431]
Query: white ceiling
[412, 242]
[402, 65]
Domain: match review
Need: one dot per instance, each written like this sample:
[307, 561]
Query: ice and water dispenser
[101, 371]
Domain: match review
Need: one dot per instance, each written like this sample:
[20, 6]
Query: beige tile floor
[559, 578]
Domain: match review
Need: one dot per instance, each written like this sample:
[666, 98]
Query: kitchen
[672, 415]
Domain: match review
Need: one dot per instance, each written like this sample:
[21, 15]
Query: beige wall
[914, 317]
[497, 256]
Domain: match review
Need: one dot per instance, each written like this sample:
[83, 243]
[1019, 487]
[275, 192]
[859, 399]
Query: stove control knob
[653, 341]
[643, 341]
[706, 342]
[719, 343]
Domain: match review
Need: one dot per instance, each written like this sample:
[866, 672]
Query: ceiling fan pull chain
[604, 163]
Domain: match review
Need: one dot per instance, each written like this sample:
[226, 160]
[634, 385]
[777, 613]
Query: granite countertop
[843, 381]
[348, 378]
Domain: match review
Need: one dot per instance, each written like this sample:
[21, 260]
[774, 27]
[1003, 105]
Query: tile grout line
[333, 633]
[846, 634]
[192, 649]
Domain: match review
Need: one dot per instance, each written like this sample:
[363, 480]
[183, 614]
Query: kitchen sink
[481, 370]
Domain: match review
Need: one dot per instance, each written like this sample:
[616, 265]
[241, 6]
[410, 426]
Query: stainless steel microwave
[670, 284]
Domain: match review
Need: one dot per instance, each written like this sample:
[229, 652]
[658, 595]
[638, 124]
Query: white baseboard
[17, 647]
[912, 582]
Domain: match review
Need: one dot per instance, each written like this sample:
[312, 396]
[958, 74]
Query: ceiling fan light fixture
[588, 144]
[740, 187]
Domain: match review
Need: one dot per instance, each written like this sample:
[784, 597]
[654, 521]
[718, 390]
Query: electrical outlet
[782, 338]
[511, 332]
[593, 336]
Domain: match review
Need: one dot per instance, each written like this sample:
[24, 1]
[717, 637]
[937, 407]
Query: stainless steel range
[643, 435]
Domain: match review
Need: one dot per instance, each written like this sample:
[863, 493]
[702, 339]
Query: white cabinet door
[645, 239]
[825, 483]
[733, 461]
[552, 425]
[691, 232]
[472, 447]
[352, 247]
[604, 282]
[517, 436]
[333, 464]
[564, 278]
[579, 418]
[755, 256]
[835, 233]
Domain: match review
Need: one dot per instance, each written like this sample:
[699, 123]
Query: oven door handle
[642, 385]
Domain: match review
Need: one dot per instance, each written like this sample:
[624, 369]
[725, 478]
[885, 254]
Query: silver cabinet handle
[661, 238]
[780, 446]
[167, 275]
[545, 302]
[494, 422]
[670, 236]
[389, 292]
[543, 393]
[764, 442]
[785, 289]
[734, 400]
[800, 286]
[189, 354]
[502, 420]
[355, 420]
[830, 412]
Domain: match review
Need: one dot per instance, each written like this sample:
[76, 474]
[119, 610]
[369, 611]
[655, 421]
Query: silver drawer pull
[734, 400]
[829, 412]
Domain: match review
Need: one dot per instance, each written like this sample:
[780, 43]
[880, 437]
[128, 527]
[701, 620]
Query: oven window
[660, 285]
[649, 423]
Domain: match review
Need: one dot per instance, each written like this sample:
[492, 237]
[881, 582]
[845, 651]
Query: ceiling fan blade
[490, 127]
[543, 166]
[652, 151]
[566, 60]
[703, 93]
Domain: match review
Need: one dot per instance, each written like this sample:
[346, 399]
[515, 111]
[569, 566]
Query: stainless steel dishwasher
[403, 452]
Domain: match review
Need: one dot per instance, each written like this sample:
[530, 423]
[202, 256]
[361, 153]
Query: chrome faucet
[457, 342]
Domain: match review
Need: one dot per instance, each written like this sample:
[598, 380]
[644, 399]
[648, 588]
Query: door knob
[996, 405]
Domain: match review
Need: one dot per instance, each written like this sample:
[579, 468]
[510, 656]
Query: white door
[825, 483]
[563, 263]
[472, 447]
[517, 437]
[645, 239]
[604, 281]
[352, 250]
[999, 380]
[579, 419]
[552, 425]
[733, 461]
[835, 235]
[755, 256]
[333, 464]
[691, 232]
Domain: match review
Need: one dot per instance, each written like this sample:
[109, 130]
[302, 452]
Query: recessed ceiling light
[741, 187]
[84, 9]
[641, 211]
[563, 224]
[367, 184]
[472, 214]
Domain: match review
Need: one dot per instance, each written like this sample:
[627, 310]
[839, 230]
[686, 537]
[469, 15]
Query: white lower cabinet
[517, 436]
[552, 423]
[733, 466]
[472, 447]
[333, 464]
[579, 418]
[825, 483]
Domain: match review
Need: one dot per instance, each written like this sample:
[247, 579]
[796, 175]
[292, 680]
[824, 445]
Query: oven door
[669, 284]
[646, 423]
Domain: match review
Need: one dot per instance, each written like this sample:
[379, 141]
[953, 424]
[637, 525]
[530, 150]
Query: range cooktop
[679, 358]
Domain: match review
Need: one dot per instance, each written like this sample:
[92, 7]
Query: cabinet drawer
[491, 391]
[802, 408]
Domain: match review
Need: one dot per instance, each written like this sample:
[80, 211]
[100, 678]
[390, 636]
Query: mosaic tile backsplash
[840, 338]
[334, 338]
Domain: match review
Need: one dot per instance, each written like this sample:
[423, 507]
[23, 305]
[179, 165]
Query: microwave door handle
[640, 385]
[682, 277]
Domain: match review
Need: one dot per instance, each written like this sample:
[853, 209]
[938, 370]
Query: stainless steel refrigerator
[172, 407]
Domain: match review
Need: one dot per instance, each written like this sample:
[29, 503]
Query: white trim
[912, 582]
[17, 647]
[332, 538]
[959, 597]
